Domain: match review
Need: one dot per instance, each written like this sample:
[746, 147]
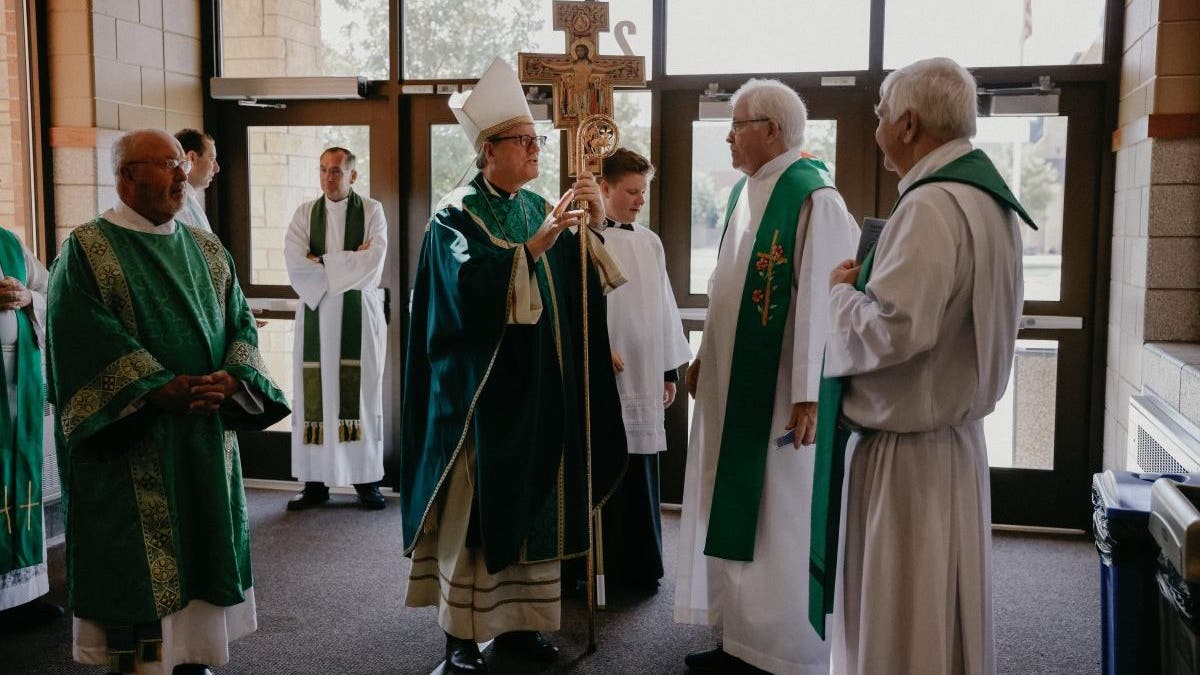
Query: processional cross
[582, 81]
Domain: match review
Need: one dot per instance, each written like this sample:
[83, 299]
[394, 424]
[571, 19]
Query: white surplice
[192, 213]
[928, 349]
[762, 605]
[201, 631]
[323, 287]
[22, 585]
[644, 329]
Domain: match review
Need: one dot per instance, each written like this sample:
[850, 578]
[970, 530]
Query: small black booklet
[871, 229]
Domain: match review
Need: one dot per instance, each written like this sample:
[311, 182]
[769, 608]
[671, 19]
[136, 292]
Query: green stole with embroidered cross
[766, 298]
[350, 362]
[20, 434]
[975, 169]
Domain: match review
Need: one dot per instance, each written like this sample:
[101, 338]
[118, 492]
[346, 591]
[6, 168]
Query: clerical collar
[939, 157]
[487, 184]
[779, 163]
[123, 215]
[609, 222]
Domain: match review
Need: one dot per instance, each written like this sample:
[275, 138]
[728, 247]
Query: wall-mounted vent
[1160, 439]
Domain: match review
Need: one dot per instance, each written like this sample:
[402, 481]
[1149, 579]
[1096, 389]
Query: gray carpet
[330, 584]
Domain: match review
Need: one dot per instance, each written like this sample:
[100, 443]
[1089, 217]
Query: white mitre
[495, 105]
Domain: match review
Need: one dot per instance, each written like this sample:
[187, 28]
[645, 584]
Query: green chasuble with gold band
[350, 362]
[153, 501]
[477, 372]
[20, 434]
[761, 321]
[833, 433]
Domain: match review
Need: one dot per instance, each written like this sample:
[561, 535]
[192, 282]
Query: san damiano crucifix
[582, 81]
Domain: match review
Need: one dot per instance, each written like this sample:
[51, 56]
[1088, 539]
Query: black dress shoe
[462, 656]
[528, 643]
[32, 614]
[718, 661]
[370, 497]
[313, 494]
[191, 669]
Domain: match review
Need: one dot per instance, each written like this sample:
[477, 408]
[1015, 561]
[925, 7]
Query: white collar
[495, 191]
[777, 164]
[941, 156]
[123, 215]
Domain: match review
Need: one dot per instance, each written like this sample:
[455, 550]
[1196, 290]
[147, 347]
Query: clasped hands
[195, 394]
[585, 189]
[13, 294]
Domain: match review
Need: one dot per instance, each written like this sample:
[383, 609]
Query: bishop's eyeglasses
[735, 124]
[523, 139]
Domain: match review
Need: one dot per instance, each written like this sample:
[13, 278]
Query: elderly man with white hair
[154, 366]
[744, 531]
[921, 336]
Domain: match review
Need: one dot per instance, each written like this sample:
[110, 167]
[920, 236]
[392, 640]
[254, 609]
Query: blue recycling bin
[1129, 613]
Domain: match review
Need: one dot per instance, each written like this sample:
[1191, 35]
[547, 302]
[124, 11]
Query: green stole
[350, 363]
[20, 434]
[766, 297]
[975, 169]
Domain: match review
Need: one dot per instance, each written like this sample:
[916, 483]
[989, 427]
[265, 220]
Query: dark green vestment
[514, 391]
[154, 506]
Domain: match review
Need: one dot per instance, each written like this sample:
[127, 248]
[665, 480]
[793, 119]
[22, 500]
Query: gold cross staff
[29, 505]
[5, 511]
[582, 79]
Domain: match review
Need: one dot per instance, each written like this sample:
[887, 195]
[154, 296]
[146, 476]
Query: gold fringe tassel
[314, 433]
[349, 430]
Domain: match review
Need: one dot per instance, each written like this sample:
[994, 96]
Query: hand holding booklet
[871, 229]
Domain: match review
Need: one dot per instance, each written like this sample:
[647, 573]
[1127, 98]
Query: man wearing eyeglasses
[743, 544]
[335, 250]
[494, 468]
[154, 365]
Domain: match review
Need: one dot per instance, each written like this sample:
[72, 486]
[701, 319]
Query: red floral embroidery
[768, 262]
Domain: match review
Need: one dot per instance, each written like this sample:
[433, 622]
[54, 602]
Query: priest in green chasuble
[743, 542]
[23, 577]
[154, 365]
[494, 467]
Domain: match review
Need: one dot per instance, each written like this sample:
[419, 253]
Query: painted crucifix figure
[582, 79]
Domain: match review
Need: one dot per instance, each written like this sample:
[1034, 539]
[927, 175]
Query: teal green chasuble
[766, 297]
[20, 434]
[512, 390]
[976, 170]
[153, 501]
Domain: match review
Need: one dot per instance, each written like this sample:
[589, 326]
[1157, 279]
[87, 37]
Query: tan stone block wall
[1155, 275]
[271, 38]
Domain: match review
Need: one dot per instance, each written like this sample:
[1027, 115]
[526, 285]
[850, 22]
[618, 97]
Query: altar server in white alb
[923, 333]
[201, 151]
[335, 250]
[743, 543]
[648, 347]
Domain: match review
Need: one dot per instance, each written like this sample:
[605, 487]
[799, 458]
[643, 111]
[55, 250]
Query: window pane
[304, 38]
[276, 343]
[16, 157]
[284, 173]
[632, 112]
[770, 36]
[1020, 431]
[713, 177]
[436, 47]
[452, 162]
[994, 32]
[1031, 154]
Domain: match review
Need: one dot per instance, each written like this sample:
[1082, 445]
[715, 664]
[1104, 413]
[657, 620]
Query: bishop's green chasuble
[514, 389]
[20, 434]
[974, 169]
[766, 297]
[153, 501]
